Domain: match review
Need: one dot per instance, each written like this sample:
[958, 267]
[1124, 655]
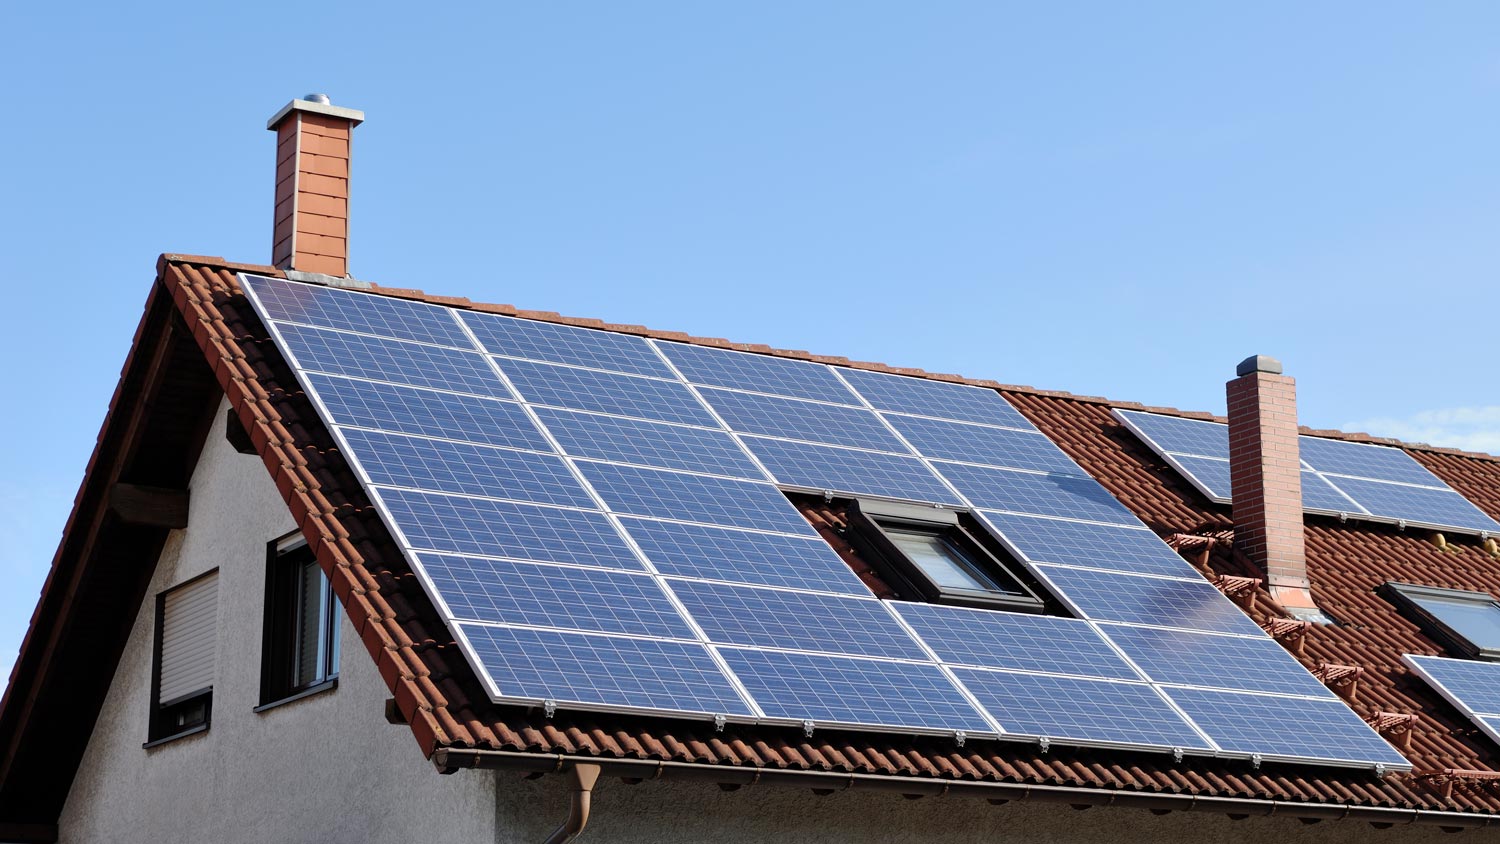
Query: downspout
[583, 776]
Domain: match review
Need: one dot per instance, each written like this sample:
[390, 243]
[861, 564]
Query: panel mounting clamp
[959, 737]
[807, 728]
[549, 707]
[719, 722]
[1044, 744]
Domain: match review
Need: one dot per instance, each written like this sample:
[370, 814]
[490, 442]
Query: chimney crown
[316, 104]
[1258, 363]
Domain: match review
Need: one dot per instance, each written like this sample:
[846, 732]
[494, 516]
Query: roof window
[1466, 623]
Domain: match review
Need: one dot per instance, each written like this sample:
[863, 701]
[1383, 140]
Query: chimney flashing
[328, 280]
[353, 115]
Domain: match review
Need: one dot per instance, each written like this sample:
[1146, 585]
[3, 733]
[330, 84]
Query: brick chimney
[1266, 479]
[312, 185]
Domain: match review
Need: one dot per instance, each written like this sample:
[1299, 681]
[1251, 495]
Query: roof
[200, 332]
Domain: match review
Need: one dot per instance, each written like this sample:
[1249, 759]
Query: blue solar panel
[1226, 662]
[504, 529]
[538, 595]
[1319, 494]
[1474, 684]
[466, 469]
[1044, 540]
[694, 498]
[597, 670]
[1072, 708]
[984, 444]
[796, 419]
[1365, 461]
[1210, 472]
[648, 443]
[1042, 495]
[527, 338]
[990, 639]
[742, 556]
[847, 470]
[385, 316]
[777, 618]
[1181, 436]
[923, 397]
[1286, 726]
[758, 373]
[851, 690]
[606, 392]
[378, 359]
[1108, 596]
[408, 410]
[1442, 507]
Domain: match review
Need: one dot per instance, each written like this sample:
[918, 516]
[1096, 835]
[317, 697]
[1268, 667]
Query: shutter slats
[187, 638]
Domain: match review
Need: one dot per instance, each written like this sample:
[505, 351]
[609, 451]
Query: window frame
[1405, 595]
[160, 725]
[285, 560]
[869, 521]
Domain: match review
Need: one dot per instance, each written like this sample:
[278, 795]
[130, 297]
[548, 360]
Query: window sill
[325, 686]
[190, 731]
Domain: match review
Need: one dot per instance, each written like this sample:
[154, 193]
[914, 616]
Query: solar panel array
[1339, 478]
[1473, 686]
[601, 520]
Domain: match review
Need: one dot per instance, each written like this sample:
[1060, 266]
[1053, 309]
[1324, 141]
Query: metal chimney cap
[1258, 363]
[316, 104]
[320, 99]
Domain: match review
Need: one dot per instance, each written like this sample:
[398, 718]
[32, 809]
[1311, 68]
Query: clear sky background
[1111, 199]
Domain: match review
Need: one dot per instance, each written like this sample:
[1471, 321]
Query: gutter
[452, 759]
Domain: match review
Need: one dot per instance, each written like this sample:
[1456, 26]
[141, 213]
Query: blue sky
[1116, 199]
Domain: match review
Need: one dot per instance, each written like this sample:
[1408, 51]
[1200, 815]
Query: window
[1466, 623]
[300, 647]
[182, 674]
[928, 554]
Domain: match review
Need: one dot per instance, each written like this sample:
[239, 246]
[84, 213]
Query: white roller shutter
[187, 638]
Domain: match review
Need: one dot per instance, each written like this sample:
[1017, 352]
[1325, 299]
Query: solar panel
[834, 690]
[923, 397]
[846, 470]
[1077, 709]
[383, 316]
[597, 670]
[984, 444]
[778, 618]
[645, 443]
[538, 595]
[1045, 540]
[1179, 435]
[1034, 643]
[1472, 686]
[798, 419]
[378, 359]
[757, 373]
[797, 562]
[1044, 495]
[1363, 460]
[1286, 727]
[693, 498]
[432, 522]
[549, 341]
[1319, 494]
[1153, 601]
[1438, 507]
[429, 413]
[464, 468]
[1227, 662]
[606, 392]
[1209, 472]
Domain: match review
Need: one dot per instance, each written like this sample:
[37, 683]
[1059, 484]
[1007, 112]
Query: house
[233, 643]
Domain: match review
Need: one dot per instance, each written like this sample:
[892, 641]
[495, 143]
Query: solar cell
[758, 373]
[464, 468]
[1319, 494]
[484, 527]
[409, 410]
[597, 670]
[804, 562]
[693, 498]
[1038, 643]
[606, 392]
[1226, 662]
[1044, 495]
[1046, 540]
[549, 341]
[802, 420]
[1210, 472]
[1108, 596]
[1364, 460]
[853, 691]
[923, 397]
[1441, 507]
[778, 618]
[1179, 435]
[983, 444]
[1472, 685]
[379, 359]
[1240, 722]
[538, 595]
[847, 470]
[1072, 708]
[648, 443]
[384, 316]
